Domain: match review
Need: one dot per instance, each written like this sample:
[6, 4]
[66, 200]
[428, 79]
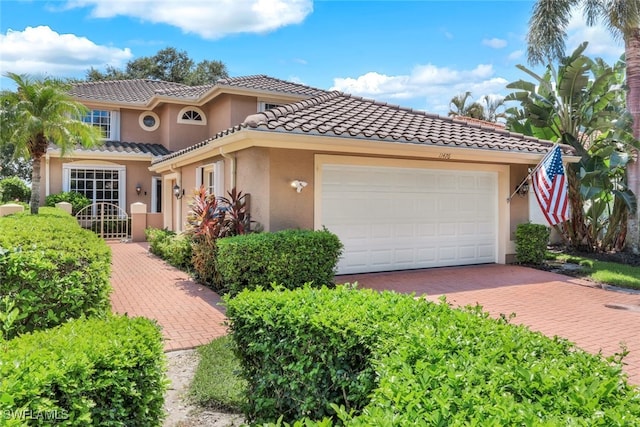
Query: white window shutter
[218, 178]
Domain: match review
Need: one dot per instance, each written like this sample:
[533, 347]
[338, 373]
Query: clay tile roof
[270, 84]
[141, 91]
[339, 114]
[156, 150]
[342, 115]
[134, 91]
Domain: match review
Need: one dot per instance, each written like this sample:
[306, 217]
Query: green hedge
[52, 270]
[171, 247]
[14, 189]
[364, 358]
[96, 372]
[531, 243]
[290, 258]
[77, 200]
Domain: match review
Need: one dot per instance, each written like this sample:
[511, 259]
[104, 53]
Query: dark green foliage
[290, 258]
[531, 243]
[211, 218]
[88, 372]
[14, 189]
[171, 247]
[52, 269]
[366, 358]
[77, 200]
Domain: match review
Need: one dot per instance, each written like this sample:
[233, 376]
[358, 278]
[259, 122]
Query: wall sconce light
[298, 185]
[523, 188]
[138, 189]
[178, 192]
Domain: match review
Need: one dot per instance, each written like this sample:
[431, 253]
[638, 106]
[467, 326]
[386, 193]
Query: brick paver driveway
[593, 318]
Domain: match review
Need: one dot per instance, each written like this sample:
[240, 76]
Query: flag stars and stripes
[550, 187]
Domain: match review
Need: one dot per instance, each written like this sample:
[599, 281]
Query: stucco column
[138, 221]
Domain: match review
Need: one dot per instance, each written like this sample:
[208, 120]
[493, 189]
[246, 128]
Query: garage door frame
[503, 229]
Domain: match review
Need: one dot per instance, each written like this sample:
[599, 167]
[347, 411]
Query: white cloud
[428, 87]
[601, 42]
[515, 55]
[210, 19]
[42, 51]
[495, 43]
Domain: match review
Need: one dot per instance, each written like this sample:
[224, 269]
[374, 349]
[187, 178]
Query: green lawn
[216, 383]
[609, 273]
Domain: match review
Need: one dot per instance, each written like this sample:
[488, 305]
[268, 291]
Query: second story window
[107, 121]
[266, 105]
[192, 116]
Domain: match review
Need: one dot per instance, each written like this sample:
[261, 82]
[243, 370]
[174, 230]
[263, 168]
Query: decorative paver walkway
[144, 285]
[594, 319]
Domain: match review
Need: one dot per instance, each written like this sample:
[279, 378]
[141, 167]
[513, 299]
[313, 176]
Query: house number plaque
[444, 156]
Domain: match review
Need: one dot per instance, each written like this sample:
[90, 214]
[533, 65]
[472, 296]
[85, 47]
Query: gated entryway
[107, 220]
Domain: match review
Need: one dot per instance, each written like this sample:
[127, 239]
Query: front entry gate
[107, 220]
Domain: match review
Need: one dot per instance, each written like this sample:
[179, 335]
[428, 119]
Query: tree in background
[488, 109]
[459, 106]
[10, 165]
[582, 104]
[38, 113]
[546, 42]
[168, 65]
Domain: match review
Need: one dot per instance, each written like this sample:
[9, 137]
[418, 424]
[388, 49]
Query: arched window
[192, 116]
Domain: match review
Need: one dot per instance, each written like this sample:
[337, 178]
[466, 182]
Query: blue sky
[417, 54]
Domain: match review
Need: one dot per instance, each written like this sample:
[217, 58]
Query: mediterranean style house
[401, 188]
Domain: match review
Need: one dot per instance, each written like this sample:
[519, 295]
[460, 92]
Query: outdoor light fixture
[298, 185]
[523, 188]
[138, 189]
[178, 192]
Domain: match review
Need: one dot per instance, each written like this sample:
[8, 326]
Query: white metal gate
[107, 220]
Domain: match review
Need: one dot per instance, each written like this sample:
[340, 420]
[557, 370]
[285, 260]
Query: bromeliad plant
[209, 219]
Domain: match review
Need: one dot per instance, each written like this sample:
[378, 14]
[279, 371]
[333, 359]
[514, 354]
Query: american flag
[550, 187]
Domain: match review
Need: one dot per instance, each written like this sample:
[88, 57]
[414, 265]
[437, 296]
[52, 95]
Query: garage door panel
[394, 218]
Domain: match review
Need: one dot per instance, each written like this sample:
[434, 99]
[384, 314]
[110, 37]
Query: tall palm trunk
[632, 54]
[37, 149]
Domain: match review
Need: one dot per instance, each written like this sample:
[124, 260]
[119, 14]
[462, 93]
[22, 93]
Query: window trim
[262, 104]
[122, 178]
[114, 123]
[217, 169]
[192, 122]
[145, 127]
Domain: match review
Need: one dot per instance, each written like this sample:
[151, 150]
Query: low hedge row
[51, 270]
[171, 247]
[362, 358]
[95, 372]
[290, 257]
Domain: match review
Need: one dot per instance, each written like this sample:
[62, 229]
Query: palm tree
[491, 106]
[458, 107]
[546, 41]
[38, 113]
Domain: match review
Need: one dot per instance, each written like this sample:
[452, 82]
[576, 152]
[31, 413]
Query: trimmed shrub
[14, 189]
[77, 200]
[95, 372]
[363, 358]
[171, 247]
[290, 258]
[52, 269]
[531, 243]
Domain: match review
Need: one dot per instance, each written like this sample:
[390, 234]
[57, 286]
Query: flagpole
[526, 179]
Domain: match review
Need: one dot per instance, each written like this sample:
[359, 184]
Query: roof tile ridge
[391, 106]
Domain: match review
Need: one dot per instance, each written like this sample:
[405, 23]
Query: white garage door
[399, 218]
